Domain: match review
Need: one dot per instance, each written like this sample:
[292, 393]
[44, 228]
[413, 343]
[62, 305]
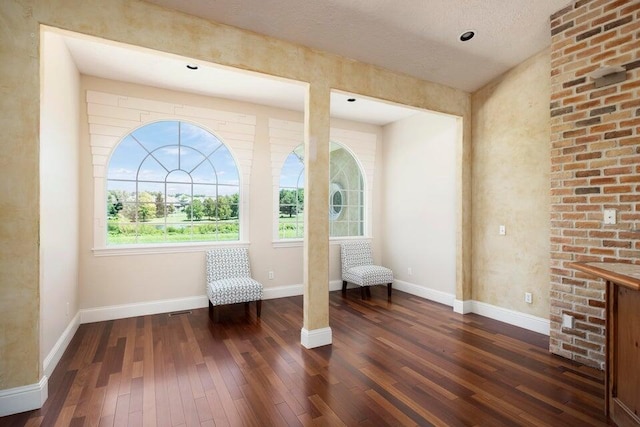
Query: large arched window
[346, 195]
[172, 182]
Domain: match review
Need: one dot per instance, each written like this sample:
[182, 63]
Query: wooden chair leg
[389, 289]
[214, 313]
[246, 308]
[368, 291]
[259, 307]
[363, 292]
[344, 287]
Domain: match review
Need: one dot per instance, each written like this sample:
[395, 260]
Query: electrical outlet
[528, 298]
[410, 271]
[67, 312]
[502, 230]
[567, 321]
[609, 216]
[271, 275]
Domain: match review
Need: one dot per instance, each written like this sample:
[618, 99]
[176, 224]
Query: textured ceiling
[415, 37]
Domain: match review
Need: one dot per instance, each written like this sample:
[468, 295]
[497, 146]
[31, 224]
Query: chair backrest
[354, 254]
[226, 263]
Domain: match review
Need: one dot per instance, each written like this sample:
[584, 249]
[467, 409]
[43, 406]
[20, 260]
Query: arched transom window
[346, 195]
[172, 182]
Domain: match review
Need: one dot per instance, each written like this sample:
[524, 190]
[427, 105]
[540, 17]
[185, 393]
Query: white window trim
[285, 136]
[112, 117]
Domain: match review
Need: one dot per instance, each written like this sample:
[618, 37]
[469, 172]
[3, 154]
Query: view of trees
[154, 219]
[121, 206]
[288, 205]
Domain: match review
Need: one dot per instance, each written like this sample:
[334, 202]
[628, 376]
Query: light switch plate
[609, 216]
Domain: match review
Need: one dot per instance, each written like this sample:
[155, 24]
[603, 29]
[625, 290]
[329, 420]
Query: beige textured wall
[142, 24]
[510, 177]
[19, 195]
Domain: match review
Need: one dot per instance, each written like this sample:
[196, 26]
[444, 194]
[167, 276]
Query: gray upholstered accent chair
[358, 268]
[229, 280]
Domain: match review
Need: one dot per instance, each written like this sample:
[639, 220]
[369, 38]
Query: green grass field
[179, 229]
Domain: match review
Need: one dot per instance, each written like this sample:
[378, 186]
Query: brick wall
[595, 163]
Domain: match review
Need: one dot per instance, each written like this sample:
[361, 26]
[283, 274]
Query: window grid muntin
[191, 224]
[353, 194]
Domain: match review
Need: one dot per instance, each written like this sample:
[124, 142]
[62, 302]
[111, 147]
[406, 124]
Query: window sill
[126, 250]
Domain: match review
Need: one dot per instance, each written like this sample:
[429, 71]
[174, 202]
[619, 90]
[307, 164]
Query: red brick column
[595, 163]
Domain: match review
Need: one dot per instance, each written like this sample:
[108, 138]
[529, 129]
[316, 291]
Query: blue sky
[180, 154]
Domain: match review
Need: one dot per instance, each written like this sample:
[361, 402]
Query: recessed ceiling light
[192, 66]
[351, 100]
[467, 35]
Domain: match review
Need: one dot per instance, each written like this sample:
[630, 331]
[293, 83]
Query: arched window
[346, 195]
[172, 182]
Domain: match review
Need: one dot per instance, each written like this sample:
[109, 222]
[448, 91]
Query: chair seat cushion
[234, 290]
[368, 275]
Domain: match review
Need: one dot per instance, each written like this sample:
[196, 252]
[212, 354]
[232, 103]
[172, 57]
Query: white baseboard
[316, 337]
[25, 398]
[51, 361]
[112, 312]
[295, 290]
[282, 291]
[463, 307]
[424, 292]
[512, 317]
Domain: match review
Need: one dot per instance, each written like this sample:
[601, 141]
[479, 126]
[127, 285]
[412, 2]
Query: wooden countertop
[627, 275]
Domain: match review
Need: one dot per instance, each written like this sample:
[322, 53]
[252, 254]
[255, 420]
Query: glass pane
[204, 190]
[151, 187]
[122, 190]
[228, 230]
[119, 233]
[129, 212]
[225, 167]
[228, 190]
[151, 233]
[204, 173]
[179, 176]
[190, 159]
[125, 159]
[339, 228]
[178, 198]
[151, 170]
[291, 228]
[198, 138]
[292, 173]
[156, 135]
[168, 157]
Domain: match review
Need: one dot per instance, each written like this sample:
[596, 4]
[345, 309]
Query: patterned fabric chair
[229, 279]
[358, 268]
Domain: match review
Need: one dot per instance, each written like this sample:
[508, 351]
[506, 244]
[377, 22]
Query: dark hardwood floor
[404, 362]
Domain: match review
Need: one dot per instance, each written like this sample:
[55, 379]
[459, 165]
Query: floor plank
[407, 361]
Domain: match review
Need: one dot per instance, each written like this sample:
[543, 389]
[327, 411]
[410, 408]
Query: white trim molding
[25, 398]
[51, 361]
[424, 292]
[463, 306]
[316, 337]
[512, 317]
[282, 291]
[112, 312]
